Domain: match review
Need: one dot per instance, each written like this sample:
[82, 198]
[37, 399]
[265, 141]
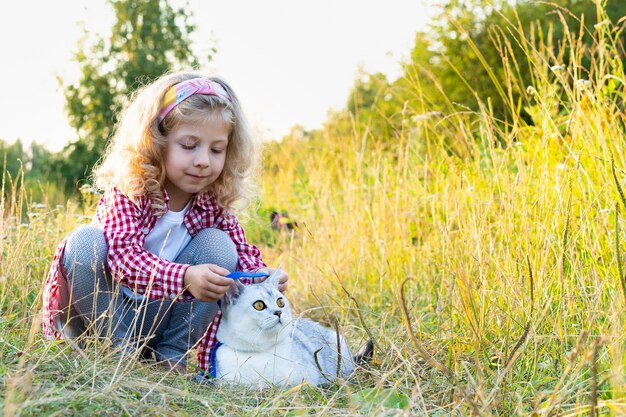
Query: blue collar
[212, 371]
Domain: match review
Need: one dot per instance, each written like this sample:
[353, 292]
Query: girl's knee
[215, 247]
[84, 246]
[217, 237]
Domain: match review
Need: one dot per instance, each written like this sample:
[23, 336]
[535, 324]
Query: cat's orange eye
[259, 305]
[280, 303]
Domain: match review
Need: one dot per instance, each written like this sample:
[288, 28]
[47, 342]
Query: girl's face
[194, 158]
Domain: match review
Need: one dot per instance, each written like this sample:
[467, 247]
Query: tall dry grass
[507, 239]
[483, 260]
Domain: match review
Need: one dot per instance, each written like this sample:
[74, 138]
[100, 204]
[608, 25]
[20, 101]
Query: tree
[371, 104]
[149, 38]
[12, 158]
[478, 51]
[28, 169]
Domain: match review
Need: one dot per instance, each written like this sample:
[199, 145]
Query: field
[486, 263]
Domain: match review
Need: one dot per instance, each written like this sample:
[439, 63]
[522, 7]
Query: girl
[148, 271]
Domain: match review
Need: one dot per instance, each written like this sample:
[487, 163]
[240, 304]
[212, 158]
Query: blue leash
[241, 274]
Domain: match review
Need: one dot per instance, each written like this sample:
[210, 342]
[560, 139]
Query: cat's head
[256, 315]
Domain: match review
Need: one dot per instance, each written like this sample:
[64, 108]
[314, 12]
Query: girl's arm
[125, 229]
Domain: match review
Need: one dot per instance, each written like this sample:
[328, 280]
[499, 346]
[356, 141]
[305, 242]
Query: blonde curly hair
[134, 160]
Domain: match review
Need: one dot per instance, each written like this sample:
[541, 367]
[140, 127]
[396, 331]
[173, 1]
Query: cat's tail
[365, 355]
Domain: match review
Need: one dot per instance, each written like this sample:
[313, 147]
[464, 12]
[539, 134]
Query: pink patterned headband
[185, 89]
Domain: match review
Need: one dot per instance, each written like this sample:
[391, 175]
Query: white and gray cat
[262, 344]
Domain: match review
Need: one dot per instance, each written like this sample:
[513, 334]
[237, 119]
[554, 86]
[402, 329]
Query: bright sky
[290, 61]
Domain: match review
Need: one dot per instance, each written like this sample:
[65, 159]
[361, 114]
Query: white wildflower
[582, 84]
[602, 23]
[424, 116]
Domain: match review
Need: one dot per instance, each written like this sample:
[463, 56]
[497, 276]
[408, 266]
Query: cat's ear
[275, 277]
[233, 292]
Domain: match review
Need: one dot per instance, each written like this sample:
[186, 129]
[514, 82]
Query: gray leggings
[99, 307]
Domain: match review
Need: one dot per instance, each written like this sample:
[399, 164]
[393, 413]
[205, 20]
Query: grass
[485, 262]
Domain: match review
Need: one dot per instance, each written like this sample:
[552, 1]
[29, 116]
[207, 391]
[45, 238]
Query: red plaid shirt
[125, 227]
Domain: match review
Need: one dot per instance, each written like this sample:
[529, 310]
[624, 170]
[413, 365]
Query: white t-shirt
[169, 235]
[166, 240]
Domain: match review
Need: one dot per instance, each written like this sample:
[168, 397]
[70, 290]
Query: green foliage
[481, 56]
[13, 157]
[30, 167]
[484, 53]
[370, 102]
[477, 46]
[148, 39]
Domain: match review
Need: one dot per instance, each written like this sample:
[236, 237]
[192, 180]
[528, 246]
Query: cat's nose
[278, 312]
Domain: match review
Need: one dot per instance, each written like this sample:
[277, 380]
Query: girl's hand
[207, 282]
[282, 280]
